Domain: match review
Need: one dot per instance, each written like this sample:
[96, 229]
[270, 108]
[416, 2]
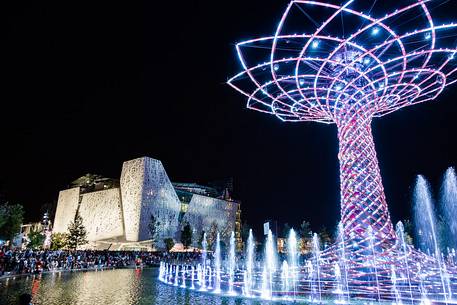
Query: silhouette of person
[25, 299]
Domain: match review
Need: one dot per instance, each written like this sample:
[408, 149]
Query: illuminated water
[425, 221]
[249, 280]
[231, 263]
[217, 264]
[113, 287]
[269, 270]
[202, 269]
[400, 230]
[292, 245]
[449, 203]
[316, 294]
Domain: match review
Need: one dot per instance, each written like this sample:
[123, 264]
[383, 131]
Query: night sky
[89, 84]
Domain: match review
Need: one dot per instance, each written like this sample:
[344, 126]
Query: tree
[169, 243]
[305, 230]
[58, 241]
[11, 218]
[408, 231]
[245, 231]
[4, 211]
[324, 237]
[285, 230]
[444, 236]
[306, 236]
[223, 246]
[76, 233]
[212, 235]
[36, 239]
[153, 230]
[186, 235]
[200, 240]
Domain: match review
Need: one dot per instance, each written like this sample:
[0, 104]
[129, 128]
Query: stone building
[116, 213]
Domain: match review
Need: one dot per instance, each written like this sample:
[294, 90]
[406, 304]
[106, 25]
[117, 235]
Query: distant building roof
[195, 188]
[92, 183]
[219, 189]
[185, 191]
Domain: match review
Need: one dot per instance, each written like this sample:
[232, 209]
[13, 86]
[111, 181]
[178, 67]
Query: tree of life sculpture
[332, 72]
[337, 64]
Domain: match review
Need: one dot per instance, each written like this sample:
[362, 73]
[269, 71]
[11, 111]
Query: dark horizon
[90, 85]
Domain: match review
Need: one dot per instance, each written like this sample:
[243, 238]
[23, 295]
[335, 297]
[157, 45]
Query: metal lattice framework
[349, 73]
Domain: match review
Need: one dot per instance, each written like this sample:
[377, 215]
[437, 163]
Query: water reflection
[118, 287]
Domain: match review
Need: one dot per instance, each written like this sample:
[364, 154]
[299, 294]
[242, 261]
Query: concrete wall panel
[67, 205]
[146, 189]
[204, 211]
[102, 214]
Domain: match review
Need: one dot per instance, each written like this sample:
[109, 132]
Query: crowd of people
[188, 257]
[14, 262]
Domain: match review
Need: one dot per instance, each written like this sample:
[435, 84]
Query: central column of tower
[363, 203]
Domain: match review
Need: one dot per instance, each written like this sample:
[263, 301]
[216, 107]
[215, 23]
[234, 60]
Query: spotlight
[315, 44]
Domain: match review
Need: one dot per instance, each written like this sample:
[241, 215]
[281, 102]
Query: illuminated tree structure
[347, 69]
[337, 64]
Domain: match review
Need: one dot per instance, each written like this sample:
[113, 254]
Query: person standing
[25, 299]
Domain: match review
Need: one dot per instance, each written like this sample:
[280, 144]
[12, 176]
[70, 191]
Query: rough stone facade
[102, 214]
[146, 189]
[67, 205]
[206, 213]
